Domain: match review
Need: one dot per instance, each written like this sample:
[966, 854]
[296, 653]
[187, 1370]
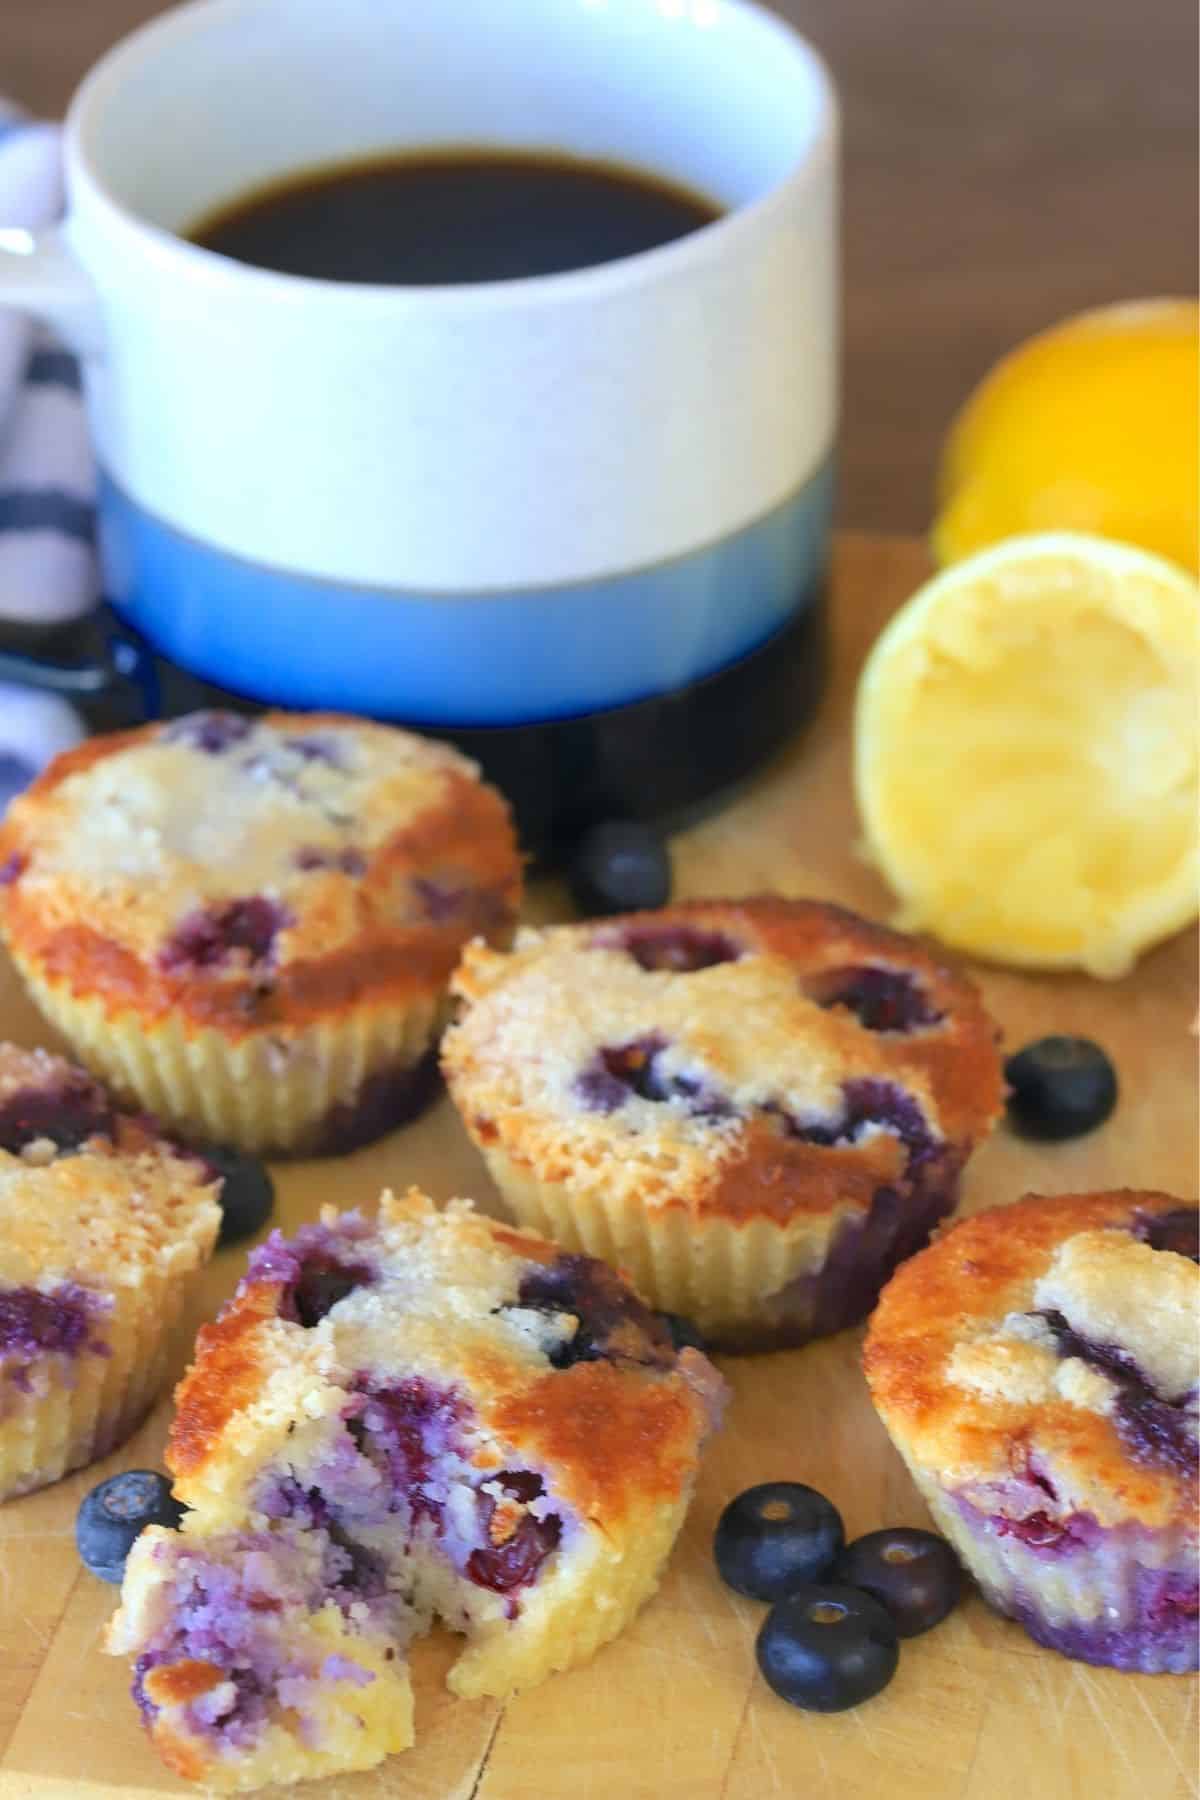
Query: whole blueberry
[827, 1648]
[1060, 1088]
[116, 1512]
[247, 1196]
[775, 1538]
[913, 1574]
[620, 867]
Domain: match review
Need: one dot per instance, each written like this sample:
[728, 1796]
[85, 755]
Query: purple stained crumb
[231, 1609]
[316, 1268]
[1163, 1638]
[340, 1668]
[343, 862]
[414, 1431]
[413, 1424]
[1040, 1531]
[1028, 1509]
[35, 1323]
[210, 732]
[1177, 1230]
[682, 949]
[881, 999]
[355, 1570]
[614, 1325]
[246, 928]
[12, 868]
[620, 1072]
[1142, 1606]
[67, 1111]
[417, 1428]
[281, 1258]
[1155, 1428]
[402, 1455]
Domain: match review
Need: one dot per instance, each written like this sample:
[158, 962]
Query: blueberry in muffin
[431, 1415]
[758, 1107]
[1038, 1368]
[249, 925]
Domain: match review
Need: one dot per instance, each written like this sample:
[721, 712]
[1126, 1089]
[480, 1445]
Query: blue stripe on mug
[464, 660]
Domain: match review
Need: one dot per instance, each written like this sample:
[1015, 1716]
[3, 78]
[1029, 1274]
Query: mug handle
[39, 274]
[114, 663]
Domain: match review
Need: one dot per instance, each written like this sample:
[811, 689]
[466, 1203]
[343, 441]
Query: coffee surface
[445, 217]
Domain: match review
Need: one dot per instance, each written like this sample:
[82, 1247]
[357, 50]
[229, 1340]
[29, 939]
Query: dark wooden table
[1007, 162]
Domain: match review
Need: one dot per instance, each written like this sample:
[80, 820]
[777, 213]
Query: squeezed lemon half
[1091, 426]
[1026, 753]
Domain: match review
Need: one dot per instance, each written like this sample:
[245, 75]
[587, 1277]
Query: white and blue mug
[579, 521]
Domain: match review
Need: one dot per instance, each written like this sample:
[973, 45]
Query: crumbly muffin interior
[382, 1469]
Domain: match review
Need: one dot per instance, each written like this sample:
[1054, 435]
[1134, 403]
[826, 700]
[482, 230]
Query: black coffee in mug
[422, 218]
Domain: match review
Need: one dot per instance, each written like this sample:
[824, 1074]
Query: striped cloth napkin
[47, 479]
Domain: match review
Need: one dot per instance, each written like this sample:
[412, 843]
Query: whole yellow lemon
[1091, 426]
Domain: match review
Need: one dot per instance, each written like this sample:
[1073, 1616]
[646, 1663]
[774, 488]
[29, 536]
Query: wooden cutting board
[674, 1710]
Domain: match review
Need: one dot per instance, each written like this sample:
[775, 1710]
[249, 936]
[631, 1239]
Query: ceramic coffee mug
[577, 520]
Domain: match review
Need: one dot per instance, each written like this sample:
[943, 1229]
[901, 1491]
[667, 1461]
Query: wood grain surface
[674, 1710]
[1006, 162]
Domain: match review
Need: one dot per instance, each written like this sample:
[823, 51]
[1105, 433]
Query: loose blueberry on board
[247, 1196]
[913, 1574]
[775, 1538]
[1061, 1087]
[619, 867]
[826, 1648]
[118, 1511]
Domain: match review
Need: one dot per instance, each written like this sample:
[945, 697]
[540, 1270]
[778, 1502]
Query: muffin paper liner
[69, 1410]
[755, 1285]
[278, 1090]
[1124, 1597]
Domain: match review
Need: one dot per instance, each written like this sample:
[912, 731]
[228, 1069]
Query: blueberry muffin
[102, 1231]
[756, 1107]
[249, 925]
[432, 1415]
[1037, 1369]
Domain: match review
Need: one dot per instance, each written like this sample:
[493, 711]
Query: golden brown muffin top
[254, 872]
[103, 1218]
[1048, 1352]
[759, 1058]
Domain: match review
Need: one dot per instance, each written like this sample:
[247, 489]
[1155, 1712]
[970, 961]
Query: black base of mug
[664, 759]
